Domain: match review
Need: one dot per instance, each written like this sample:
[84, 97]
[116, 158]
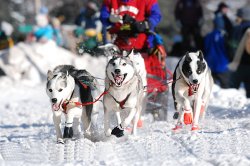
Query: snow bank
[29, 63]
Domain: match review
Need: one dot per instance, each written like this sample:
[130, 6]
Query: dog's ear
[124, 53]
[200, 55]
[109, 57]
[131, 54]
[50, 75]
[187, 57]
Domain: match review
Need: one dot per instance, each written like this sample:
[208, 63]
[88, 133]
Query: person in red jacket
[131, 20]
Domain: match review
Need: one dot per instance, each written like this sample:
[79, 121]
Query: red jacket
[141, 10]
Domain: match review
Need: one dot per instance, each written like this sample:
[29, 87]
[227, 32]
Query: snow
[27, 135]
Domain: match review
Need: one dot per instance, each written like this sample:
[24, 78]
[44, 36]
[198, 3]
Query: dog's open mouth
[119, 78]
[56, 106]
[195, 87]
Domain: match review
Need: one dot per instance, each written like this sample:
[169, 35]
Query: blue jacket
[44, 32]
[215, 52]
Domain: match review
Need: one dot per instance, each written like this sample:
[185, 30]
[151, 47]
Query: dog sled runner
[157, 80]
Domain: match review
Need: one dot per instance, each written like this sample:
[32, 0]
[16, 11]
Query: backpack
[247, 42]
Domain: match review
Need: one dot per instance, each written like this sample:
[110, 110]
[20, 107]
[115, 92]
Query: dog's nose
[117, 71]
[195, 81]
[54, 100]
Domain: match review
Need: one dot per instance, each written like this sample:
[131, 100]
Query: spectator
[189, 13]
[44, 31]
[221, 21]
[89, 17]
[6, 40]
[215, 46]
[216, 57]
[89, 26]
[57, 35]
[241, 62]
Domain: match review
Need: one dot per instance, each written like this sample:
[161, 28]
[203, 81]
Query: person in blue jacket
[215, 47]
[44, 31]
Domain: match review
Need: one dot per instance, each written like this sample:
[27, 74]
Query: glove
[118, 131]
[115, 18]
[127, 19]
[140, 27]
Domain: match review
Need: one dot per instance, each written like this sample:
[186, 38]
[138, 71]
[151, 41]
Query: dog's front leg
[118, 117]
[57, 124]
[136, 119]
[69, 118]
[128, 120]
[197, 110]
[106, 122]
[182, 104]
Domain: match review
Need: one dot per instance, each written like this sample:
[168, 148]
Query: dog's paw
[195, 128]
[118, 131]
[68, 132]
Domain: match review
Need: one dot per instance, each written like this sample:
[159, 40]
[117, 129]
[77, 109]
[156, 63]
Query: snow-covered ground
[27, 135]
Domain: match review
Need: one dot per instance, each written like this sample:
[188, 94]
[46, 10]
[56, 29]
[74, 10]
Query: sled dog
[191, 88]
[125, 93]
[66, 86]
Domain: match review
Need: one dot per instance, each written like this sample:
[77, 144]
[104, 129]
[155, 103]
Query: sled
[157, 81]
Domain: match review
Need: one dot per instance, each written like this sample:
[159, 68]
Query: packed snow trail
[27, 135]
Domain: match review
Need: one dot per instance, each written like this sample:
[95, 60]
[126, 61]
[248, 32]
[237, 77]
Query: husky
[191, 88]
[66, 86]
[125, 93]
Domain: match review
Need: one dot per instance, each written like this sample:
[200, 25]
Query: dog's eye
[113, 64]
[60, 90]
[189, 72]
[199, 72]
[50, 90]
[124, 64]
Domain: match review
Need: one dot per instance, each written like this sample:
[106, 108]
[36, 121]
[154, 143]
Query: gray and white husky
[125, 93]
[65, 86]
[191, 88]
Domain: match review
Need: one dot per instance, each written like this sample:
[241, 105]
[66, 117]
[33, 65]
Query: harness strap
[79, 104]
[64, 105]
[122, 103]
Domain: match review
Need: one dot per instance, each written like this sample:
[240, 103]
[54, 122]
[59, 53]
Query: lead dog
[191, 88]
[66, 86]
[125, 92]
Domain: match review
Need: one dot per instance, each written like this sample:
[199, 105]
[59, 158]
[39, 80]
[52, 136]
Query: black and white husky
[65, 87]
[191, 88]
[125, 93]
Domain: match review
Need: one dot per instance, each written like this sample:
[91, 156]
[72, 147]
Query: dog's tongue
[118, 79]
[55, 107]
